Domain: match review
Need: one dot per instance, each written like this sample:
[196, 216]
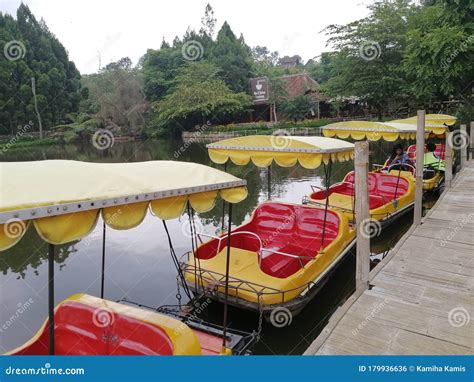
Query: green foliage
[440, 51]
[370, 51]
[297, 108]
[321, 70]
[199, 96]
[116, 99]
[402, 55]
[38, 54]
[234, 58]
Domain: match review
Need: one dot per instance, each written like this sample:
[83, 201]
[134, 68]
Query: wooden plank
[421, 299]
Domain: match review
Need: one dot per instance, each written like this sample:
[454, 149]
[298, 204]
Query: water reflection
[138, 264]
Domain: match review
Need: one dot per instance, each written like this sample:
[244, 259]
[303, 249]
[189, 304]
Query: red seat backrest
[387, 185]
[130, 336]
[81, 329]
[371, 180]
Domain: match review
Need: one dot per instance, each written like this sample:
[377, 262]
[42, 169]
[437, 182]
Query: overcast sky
[117, 28]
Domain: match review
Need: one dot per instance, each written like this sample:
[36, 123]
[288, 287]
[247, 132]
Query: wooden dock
[421, 299]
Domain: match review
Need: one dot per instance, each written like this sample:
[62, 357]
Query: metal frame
[88, 205]
[308, 290]
[280, 150]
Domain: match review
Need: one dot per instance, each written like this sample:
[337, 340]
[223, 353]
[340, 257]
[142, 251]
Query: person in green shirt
[431, 160]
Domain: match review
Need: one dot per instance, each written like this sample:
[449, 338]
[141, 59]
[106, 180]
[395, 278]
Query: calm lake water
[138, 265]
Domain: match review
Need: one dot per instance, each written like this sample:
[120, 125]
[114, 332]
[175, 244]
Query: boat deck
[421, 299]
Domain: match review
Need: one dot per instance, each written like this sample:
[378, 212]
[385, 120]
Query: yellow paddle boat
[63, 200]
[284, 254]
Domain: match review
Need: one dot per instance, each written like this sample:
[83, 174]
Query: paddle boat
[390, 196]
[433, 166]
[88, 325]
[62, 200]
[285, 253]
[436, 126]
[433, 163]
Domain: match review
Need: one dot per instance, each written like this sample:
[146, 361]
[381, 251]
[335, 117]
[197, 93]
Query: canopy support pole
[51, 251]
[102, 280]
[327, 175]
[223, 204]
[227, 266]
[361, 164]
[176, 262]
[269, 182]
[420, 155]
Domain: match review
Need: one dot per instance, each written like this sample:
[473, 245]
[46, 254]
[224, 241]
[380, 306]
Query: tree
[369, 54]
[33, 51]
[321, 70]
[208, 22]
[199, 96]
[297, 108]
[159, 70]
[234, 59]
[116, 96]
[440, 51]
[262, 55]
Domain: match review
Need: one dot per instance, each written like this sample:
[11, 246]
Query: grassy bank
[13, 143]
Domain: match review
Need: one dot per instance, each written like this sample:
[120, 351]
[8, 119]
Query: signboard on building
[259, 89]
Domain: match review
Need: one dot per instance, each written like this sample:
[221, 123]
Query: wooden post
[448, 160]
[361, 164]
[463, 150]
[420, 154]
[471, 145]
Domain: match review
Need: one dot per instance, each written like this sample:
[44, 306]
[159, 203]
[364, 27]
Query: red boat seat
[383, 185]
[287, 228]
[440, 151]
[347, 188]
[81, 329]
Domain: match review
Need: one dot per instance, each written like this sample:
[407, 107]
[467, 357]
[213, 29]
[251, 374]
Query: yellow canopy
[431, 120]
[389, 131]
[286, 151]
[64, 198]
[373, 131]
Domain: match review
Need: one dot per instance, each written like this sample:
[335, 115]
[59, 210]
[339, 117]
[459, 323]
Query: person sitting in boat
[399, 159]
[431, 160]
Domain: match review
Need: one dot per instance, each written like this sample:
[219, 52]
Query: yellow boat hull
[250, 283]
